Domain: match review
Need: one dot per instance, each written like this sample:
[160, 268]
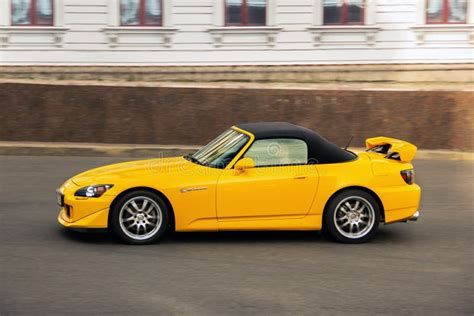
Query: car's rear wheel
[139, 217]
[352, 216]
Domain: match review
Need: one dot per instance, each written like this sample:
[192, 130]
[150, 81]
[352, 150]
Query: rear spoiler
[393, 148]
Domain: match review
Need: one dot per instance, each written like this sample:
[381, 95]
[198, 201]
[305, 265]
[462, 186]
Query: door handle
[300, 177]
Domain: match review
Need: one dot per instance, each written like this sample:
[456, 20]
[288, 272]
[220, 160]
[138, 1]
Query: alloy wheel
[354, 217]
[140, 217]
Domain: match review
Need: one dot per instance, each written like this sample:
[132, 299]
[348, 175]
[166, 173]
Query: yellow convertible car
[256, 176]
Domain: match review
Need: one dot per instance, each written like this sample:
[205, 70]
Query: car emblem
[185, 190]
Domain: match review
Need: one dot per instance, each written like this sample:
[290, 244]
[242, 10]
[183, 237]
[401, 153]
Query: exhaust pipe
[414, 217]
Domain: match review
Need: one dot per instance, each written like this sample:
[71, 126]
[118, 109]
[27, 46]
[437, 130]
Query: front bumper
[82, 212]
[96, 220]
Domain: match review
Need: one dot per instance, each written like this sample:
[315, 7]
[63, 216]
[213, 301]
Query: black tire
[343, 223]
[143, 221]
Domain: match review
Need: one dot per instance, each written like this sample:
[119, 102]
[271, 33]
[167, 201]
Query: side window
[32, 12]
[446, 11]
[278, 151]
[141, 12]
[245, 12]
[344, 12]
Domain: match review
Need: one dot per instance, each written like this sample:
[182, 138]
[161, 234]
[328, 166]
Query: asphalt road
[424, 267]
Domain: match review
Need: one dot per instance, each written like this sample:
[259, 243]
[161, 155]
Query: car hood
[128, 170]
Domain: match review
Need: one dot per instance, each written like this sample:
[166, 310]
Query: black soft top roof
[320, 150]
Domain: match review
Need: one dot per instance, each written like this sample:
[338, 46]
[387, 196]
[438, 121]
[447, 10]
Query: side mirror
[243, 164]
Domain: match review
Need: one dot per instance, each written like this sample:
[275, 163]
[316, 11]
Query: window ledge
[116, 33]
[344, 28]
[422, 30]
[140, 29]
[42, 29]
[54, 33]
[267, 33]
[444, 27]
[368, 30]
[245, 29]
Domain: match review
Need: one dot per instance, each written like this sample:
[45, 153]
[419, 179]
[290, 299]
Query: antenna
[350, 141]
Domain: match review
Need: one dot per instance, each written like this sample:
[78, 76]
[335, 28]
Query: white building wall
[87, 32]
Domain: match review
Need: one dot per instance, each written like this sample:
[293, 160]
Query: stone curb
[94, 150]
[274, 85]
[145, 151]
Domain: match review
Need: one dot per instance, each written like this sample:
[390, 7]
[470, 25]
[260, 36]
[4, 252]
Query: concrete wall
[88, 32]
[153, 115]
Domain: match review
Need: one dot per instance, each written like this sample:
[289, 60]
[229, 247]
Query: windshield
[220, 152]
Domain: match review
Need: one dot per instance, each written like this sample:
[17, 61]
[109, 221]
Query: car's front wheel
[352, 216]
[139, 217]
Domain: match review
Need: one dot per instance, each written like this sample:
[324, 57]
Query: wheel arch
[361, 188]
[152, 190]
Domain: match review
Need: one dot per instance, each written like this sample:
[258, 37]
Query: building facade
[235, 32]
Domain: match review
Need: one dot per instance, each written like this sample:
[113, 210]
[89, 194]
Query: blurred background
[178, 72]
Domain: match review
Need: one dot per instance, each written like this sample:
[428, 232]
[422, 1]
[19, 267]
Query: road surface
[422, 267]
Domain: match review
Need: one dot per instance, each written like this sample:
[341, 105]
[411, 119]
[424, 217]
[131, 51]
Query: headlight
[60, 197]
[93, 190]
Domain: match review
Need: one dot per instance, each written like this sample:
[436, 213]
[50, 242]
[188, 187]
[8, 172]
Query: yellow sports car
[256, 176]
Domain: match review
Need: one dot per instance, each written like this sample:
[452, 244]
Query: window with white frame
[141, 12]
[244, 23]
[245, 12]
[342, 22]
[446, 11]
[32, 13]
[21, 18]
[344, 12]
[149, 21]
[453, 18]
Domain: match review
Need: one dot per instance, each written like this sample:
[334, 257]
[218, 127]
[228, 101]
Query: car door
[281, 185]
